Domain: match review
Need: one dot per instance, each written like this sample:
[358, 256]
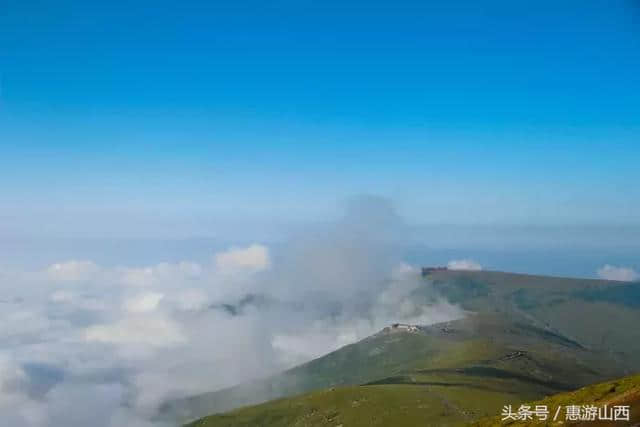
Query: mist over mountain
[121, 341]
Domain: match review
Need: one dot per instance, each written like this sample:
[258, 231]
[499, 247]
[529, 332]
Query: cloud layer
[84, 344]
[623, 274]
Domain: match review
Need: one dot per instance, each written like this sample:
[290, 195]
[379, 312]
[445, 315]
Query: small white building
[404, 327]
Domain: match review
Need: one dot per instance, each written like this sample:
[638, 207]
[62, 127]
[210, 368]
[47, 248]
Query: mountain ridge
[516, 337]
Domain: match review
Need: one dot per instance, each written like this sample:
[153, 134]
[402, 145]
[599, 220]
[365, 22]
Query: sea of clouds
[86, 344]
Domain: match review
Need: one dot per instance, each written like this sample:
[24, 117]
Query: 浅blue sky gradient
[117, 114]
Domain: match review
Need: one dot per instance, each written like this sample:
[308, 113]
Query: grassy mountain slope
[595, 313]
[462, 369]
[357, 407]
[416, 405]
[623, 391]
[531, 336]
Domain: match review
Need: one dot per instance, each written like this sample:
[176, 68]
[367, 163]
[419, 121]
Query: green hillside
[623, 391]
[529, 337]
[389, 405]
[393, 405]
[458, 372]
[560, 304]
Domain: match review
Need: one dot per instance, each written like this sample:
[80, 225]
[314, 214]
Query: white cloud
[191, 299]
[128, 338]
[623, 274]
[72, 271]
[62, 296]
[464, 264]
[155, 331]
[298, 348]
[255, 258]
[394, 303]
[137, 276]
[162, 273]
[12, 381]
[143, 303]
[189, 269]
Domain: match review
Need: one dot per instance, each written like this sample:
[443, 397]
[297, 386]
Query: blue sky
[115, 114]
